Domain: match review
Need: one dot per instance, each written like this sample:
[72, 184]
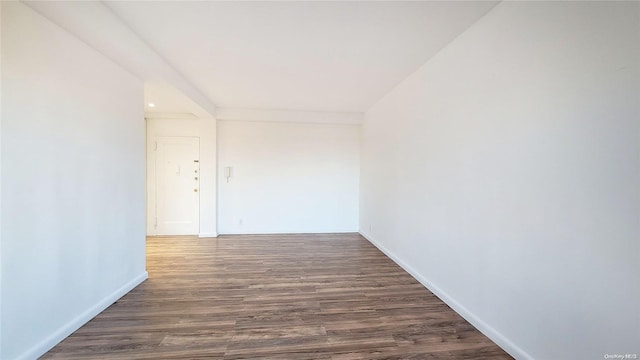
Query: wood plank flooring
[321, 296]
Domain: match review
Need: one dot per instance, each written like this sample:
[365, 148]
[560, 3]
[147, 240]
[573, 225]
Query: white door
[177, 190]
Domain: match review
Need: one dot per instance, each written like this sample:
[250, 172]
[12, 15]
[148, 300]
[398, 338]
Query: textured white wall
[72, 183]
[205, 129]
[288, 177]
[505, 175]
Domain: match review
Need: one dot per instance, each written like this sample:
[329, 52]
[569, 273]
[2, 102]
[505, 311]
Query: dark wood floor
[276, 296]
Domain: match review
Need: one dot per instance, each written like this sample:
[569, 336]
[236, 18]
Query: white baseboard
[287, 232]
[208, 235]
[502, 341]
[73, 325]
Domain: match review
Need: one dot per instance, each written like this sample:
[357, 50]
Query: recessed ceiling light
[152, 105]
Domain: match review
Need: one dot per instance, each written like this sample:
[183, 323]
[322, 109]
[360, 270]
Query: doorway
[174, 186]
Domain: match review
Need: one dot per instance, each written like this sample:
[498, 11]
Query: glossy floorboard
[325, 296]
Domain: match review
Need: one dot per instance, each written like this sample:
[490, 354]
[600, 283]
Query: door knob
[195, 190]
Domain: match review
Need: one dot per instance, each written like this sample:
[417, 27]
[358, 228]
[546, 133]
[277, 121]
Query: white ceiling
[310, 56]
[169, 101]
[97, 26]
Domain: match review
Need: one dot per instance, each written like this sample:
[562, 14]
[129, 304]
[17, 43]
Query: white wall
[0, 184]
[72, 183]
[205, 129]
[288, 177]
[505, 174]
